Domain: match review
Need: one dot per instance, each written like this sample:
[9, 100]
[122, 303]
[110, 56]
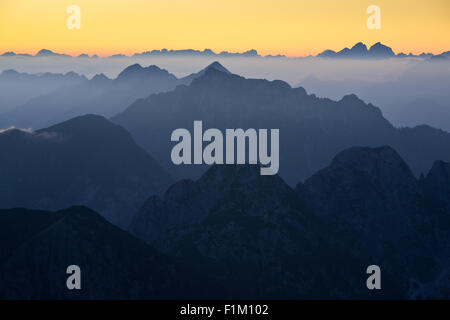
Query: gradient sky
[291, 27]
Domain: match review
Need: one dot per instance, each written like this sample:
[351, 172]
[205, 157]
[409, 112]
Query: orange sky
[291, 27]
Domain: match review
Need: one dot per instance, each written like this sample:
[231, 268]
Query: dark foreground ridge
[38, 246]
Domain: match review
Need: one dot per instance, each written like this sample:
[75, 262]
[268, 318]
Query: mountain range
[99, 95]
[353, 191]
[17, 88]
[262, 239]
[162, 52]
[376, 51]
[312, 129]
[359, 50]
[231, 233]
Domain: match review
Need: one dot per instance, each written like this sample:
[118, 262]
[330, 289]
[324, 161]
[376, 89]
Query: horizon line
[205, 51]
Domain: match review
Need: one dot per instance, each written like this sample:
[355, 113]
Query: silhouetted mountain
[253, 233]
[8, 54]
[249, 232]
[17, 88]
[184, 52]
[85, 160]
[312, 130]
[372, 198]
[49, 53]
[138, 73]
[215, 65]
[359, 51]
[371, 190]
[38, 246]
[377, 50]
[444, 56]
[197, 53]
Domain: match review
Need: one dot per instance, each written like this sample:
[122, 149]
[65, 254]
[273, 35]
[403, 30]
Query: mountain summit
[137, 72]
[213, 66]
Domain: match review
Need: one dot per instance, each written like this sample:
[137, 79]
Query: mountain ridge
[86, 160]
[380, 50]
[322, 127]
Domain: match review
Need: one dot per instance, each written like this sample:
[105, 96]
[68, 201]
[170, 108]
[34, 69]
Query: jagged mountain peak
[360, 51]
[218, 66]
[351, 98]
[360, 47]
[380, 50]
[100, 78]
[214, 77]
[45, 52]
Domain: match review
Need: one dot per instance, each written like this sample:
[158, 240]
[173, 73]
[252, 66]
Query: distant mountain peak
[10, 72]
[351, 98]
[100, 77]
[360, 51]
[49, 53]
[45, 53]
[136, 71]
[380, 50]
[359, 47]
[210, 75]
[130, 70]
[216, 65]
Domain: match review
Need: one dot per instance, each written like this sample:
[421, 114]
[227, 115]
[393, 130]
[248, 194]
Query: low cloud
[29, 130]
